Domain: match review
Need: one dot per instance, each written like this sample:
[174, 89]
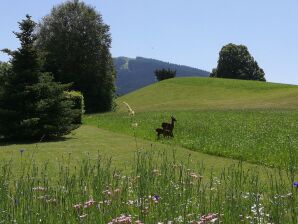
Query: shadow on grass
[7, 142]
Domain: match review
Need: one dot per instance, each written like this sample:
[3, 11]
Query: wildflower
[107, 202]
[122, 219]
[139, 222]
[295, 184]
[179, 219]
[116, 176]
[195, 176]
[155, 198]
[43, 197]
[39, 188]
[283, 196]
[129, 202]
[257, 209]
[211, 217]
[89, 203]
[83, 216]
[130, 111]
[134, 125]
[107, 192]
[51, 200]
[22, 150]
[117, 190]
[77, 206]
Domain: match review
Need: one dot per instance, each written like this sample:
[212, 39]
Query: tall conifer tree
[32, 106]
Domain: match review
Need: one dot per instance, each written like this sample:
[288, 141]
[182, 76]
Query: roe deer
[163, 132]
[169, 126]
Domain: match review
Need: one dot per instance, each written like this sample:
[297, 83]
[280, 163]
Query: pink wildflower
[77, 206]
[122, 219]
[211, 218]
[89, 203]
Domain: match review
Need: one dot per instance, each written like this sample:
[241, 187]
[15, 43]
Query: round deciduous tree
[235, 62]
[75, 44]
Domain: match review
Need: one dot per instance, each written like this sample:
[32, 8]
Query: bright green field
[263, 129]
[190, 175]
[209, 93]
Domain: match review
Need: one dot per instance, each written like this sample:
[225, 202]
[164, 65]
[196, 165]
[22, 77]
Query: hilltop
[135, 73]
[195, 93]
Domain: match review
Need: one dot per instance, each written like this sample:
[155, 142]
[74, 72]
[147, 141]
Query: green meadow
[251, 121]
[233, 159]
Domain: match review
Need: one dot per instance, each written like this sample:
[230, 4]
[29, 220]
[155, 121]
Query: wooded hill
[134, 73]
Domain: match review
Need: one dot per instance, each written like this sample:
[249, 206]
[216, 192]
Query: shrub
[78, 105]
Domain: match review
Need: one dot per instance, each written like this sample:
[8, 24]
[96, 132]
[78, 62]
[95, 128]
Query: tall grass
[257, 136]
[158, 189]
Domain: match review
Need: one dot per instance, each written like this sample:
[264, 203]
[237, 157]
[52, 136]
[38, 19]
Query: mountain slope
[211, 93]
[135, 73]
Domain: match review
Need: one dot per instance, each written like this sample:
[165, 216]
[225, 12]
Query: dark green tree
[162, 74]
[235, 62]
[32, 106]
[75, 45]
[5, 69]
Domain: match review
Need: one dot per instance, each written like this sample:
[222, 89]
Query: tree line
[67, 51]
[234, 62]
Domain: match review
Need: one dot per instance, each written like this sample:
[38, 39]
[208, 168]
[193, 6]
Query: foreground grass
[262, 137]
[158, 189]
[89, 141]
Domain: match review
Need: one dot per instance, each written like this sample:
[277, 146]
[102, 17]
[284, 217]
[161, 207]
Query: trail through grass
[89, 141]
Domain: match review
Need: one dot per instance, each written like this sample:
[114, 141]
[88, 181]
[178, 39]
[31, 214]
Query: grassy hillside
[248, 120]
[206, 93]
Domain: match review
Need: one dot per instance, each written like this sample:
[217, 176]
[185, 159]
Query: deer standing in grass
[167, 129]
[165, 133]
[169, 126]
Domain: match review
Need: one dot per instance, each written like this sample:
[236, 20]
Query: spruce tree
[32, 105]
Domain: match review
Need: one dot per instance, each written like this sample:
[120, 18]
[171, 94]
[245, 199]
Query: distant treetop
[235, 62]
[162, 74]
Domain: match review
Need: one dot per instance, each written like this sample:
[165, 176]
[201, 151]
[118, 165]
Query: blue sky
[187, 32]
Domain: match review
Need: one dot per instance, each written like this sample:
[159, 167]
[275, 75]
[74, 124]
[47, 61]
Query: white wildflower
[130, 111]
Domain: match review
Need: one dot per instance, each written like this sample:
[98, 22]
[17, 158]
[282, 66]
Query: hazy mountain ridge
[135, 73]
